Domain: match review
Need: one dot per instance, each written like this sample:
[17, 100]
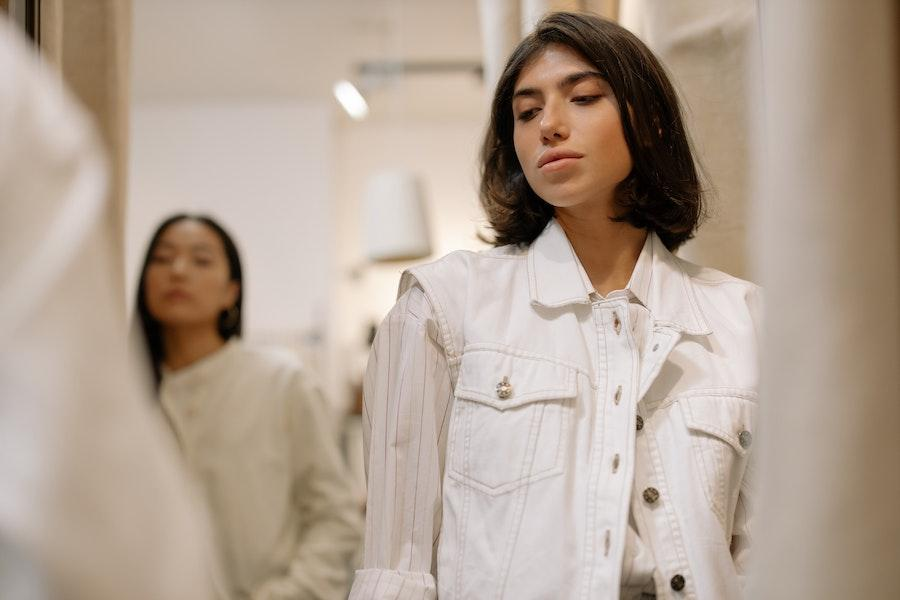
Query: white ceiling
[296, 49]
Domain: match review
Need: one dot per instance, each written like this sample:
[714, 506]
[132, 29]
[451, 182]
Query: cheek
[623, 158]
[152, 282]
[525, 153]
[618, 134]
[519, 147]
[213, 288]
[615, 149]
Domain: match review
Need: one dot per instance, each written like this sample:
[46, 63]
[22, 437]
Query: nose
[553, 124]
[179, 266]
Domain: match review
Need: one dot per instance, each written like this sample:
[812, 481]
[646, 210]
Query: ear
[231, 294]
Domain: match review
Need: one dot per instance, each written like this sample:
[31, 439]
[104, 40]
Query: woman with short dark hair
[569, 414]
[662, 191]
[252, 426]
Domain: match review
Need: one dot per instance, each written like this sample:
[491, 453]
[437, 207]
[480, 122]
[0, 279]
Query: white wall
[232, 114]
[264, 170]
[444, 153]
[287, 180]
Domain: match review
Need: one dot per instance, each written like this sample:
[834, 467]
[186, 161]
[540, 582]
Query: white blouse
[254, 432]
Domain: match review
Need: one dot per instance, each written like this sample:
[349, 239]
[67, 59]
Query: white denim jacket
[508, 469]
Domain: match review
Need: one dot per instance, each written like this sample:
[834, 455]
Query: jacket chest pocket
[721, 430]
[510, 420]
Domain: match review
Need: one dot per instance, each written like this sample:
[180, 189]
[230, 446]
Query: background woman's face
[188, 282]
[568, 132]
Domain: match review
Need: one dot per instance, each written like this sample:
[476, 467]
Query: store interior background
[226, 107]
[232, 114]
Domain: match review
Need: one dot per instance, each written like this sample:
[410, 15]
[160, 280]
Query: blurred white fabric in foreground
[827, 243]
[92, 503]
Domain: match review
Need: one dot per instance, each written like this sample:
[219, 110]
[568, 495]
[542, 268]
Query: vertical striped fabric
[405, 418]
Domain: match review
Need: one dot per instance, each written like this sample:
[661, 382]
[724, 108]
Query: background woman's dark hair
[662, 193]
[229, 324]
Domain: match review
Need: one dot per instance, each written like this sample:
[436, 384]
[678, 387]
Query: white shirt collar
[556, 279]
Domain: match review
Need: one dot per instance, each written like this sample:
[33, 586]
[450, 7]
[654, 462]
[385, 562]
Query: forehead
[551, 64]
[191, 233]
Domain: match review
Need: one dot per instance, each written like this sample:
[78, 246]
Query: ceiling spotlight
[350, 98]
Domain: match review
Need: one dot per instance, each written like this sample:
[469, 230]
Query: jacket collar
[556, 279]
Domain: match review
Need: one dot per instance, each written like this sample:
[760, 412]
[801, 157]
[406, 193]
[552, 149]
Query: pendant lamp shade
[394, 222]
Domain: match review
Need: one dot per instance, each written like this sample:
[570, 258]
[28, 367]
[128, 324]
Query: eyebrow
[567, 81]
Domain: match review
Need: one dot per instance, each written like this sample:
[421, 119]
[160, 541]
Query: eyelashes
[527, 115]
[583, 100]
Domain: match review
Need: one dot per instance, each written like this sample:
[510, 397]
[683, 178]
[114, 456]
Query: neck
[608, 250]
[186, 345]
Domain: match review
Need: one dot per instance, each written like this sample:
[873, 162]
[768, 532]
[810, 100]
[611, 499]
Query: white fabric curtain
[93, 502]
[826, 241]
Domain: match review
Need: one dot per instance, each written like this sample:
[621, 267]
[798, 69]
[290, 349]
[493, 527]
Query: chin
[178, 319]
[563, 201]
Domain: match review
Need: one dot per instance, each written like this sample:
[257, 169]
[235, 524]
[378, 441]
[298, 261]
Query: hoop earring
[230, 318]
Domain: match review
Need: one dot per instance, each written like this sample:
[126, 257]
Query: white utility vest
[558, 424]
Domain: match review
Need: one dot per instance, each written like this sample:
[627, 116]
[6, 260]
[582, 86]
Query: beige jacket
[254, 432]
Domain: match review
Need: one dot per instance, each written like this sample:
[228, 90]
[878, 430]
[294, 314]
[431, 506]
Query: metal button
[651, 495]
[640, 422]
[618, 395]
[504, 389]
[745, 438]
[677, 583]
[655, 347]
[617, 323]
[615, 464]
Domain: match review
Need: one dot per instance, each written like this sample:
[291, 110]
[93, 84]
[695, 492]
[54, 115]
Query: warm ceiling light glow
[352, 101]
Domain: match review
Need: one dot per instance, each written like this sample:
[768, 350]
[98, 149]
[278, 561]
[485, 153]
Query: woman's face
[188, 283]
[568, 131]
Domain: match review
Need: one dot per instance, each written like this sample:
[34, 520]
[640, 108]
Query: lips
[174, 295]
[554, 154]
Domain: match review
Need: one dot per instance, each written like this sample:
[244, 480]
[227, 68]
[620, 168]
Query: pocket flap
[732, 419]
[529, 379]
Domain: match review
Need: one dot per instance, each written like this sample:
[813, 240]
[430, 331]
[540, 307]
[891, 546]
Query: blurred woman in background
[251, 425]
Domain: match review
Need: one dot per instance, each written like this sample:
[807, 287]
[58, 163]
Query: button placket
[609, 515]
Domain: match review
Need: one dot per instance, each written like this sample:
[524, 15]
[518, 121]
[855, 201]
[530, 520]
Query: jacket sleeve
[407, 401]
[331, 519]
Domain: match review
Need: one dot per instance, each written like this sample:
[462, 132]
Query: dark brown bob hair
[662, 193]
[228, 325]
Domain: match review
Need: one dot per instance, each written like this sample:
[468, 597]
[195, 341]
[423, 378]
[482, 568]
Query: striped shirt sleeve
[407, 399]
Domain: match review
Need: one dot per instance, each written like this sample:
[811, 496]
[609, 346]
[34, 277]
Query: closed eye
[527, 115]
[584, 100]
